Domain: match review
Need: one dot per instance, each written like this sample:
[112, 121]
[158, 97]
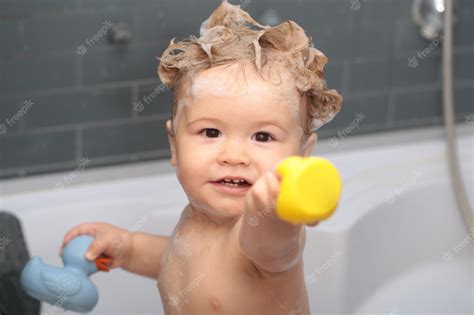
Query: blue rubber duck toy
[69, 287]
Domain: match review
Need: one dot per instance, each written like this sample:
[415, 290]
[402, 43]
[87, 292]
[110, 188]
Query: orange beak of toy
[103, 263]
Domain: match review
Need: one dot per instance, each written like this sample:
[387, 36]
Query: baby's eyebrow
[205, 118]
[271, 122]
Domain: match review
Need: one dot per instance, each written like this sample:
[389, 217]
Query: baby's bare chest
[202, 276]
[196, 276]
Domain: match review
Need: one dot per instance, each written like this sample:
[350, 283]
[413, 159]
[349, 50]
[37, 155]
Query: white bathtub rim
[363, 187]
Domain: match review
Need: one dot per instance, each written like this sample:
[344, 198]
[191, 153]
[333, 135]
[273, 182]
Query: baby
[246, 96]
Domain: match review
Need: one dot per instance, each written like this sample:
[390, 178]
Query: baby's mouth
[233, 182]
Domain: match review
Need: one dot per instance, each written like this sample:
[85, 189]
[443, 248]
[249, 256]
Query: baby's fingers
[261, 197]
[273, 183]
[97, 248]
[258, 196]
[86, 228]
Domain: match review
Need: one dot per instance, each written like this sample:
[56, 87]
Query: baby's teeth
[233, 182]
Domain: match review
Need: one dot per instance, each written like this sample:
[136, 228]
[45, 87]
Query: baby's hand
[260, 200]
[110, 240]
[280, 244]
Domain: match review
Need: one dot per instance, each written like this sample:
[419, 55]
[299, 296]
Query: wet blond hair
[231, 35]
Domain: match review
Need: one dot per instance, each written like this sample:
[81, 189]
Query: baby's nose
[234, 153]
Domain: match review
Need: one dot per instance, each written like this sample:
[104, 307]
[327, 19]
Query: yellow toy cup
[310, 189]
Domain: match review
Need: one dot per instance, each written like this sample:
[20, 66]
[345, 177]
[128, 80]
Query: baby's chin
[223, 215]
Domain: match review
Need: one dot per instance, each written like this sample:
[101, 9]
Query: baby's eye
[210, 132]
[263, 137]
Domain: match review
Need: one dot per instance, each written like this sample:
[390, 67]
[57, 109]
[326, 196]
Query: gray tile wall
[105, 102]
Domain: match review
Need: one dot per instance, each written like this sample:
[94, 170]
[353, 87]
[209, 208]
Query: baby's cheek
[199, 160]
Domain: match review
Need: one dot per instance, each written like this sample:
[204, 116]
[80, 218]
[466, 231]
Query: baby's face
[231, 126]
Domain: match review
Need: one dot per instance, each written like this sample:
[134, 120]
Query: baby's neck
[201, 217]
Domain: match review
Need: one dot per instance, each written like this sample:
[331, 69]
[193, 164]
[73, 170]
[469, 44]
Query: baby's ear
[308, 147]
[171, 140]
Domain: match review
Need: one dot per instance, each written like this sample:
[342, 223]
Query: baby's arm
[146, 254]
[139, 253]
[271, 244]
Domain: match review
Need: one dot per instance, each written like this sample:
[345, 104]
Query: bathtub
[396, 244]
